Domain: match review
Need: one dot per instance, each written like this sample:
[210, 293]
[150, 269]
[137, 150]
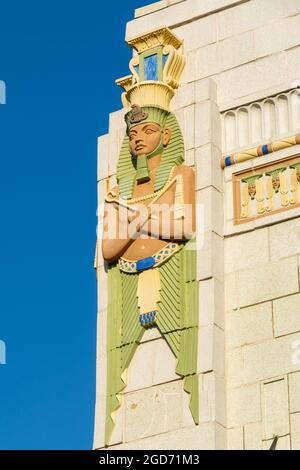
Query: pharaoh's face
[145, 138]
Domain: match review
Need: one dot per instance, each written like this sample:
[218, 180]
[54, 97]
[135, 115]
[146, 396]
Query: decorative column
[211, 365]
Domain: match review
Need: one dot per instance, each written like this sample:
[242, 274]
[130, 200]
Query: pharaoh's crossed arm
[176, 220]
[169, 215]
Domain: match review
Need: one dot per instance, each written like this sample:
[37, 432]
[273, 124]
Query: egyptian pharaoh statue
[150, 223]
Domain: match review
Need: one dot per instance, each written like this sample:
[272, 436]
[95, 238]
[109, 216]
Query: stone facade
[243, 57]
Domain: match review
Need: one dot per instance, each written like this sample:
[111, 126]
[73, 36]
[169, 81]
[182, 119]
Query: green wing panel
[114, 311]
[170, 305]
[131, 327]
[177, 320]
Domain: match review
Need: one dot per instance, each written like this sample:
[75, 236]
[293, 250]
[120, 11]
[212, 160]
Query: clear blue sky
[59, 60]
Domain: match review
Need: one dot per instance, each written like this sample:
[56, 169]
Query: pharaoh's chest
[144, 194]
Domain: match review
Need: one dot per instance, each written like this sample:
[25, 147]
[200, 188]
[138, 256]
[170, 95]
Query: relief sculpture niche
[149, 226]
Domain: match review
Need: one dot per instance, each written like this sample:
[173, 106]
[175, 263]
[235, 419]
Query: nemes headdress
[156, 71]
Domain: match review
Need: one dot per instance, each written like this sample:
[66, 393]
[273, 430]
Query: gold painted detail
[130, 266]
[273, 188]
[148, 291]
[150, 93]
[159, 37]
[170, 181]
[157, 88]
[111, 195]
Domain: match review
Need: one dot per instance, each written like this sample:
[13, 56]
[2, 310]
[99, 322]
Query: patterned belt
[128, 266]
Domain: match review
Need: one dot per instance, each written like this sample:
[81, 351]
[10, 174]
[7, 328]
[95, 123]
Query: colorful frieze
[267, 189]
[259, 151]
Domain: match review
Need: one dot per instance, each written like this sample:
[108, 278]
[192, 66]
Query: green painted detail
[184, 344]
[171, 298]
[296, 166]
[173, 340]
[118, 361]
[252, 179]
[123, 333]
[178, 314]
[177, 321]
[275, 173]
[127, 353]
[142, 169]
[112, 403]
[191, 311]
[187, 357]
[173, 155]
[189, 264]
[114, 380]
[114, 318]
[191, 386]
[114, 386]
[131, 328]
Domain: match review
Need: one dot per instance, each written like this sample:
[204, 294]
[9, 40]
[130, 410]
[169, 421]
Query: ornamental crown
[156, 69]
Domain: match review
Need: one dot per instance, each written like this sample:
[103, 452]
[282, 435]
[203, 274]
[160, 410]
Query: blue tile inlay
[228, 161]
[151, 67]
[145, 263]
[137, 69]
[165, 58]
[265, 149]
[148, 318]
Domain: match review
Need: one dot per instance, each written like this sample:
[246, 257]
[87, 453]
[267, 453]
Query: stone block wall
[263, 336]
